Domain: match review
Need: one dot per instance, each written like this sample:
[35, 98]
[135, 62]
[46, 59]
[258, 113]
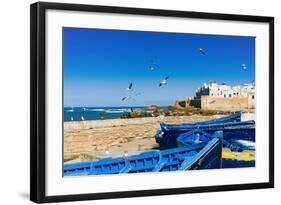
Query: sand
[93, 140]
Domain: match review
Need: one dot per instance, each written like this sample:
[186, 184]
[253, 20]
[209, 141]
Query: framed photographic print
[129, 102]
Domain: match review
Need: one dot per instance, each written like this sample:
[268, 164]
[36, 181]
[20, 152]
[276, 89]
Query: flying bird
[124, 98]
[201, 50]
[127, 98]
[164, 81]
[243, 66]
[153, 66]
[130, 87]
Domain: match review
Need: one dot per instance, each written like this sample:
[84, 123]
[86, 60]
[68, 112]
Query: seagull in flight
[201, 50]
[153, 66]
[130, 87]
[164, 81]
[243, 66]
[124, 98]
[127, 98]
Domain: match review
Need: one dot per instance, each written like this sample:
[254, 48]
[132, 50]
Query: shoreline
[134, 121]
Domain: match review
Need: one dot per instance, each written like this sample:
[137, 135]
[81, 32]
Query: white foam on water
[96, 109]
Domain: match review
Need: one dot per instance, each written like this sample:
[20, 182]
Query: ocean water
[97, 113]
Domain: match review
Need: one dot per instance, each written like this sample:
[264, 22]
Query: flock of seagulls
[130, 88]
[152, 66]
[202, 51]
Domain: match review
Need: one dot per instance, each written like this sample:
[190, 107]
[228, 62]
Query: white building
[224, 91]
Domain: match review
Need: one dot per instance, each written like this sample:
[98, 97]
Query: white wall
[14, 103]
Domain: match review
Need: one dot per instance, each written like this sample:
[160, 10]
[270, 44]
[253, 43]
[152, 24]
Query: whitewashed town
[215, 96]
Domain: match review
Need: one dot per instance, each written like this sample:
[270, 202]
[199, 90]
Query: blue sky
[100, 64]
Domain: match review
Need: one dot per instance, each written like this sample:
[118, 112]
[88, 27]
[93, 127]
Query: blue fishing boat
[103, 166]
[246, 132]
[193, 137]
[204, 155]
[167, 135]
[235, 144]
[209, 157]
[236, 140]
[81, 168]
[232, 118]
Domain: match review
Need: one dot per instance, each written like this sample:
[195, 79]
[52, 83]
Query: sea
[98, 113]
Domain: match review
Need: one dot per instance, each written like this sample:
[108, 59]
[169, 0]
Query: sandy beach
[93, 140]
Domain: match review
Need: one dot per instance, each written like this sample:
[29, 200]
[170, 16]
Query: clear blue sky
[100, 64]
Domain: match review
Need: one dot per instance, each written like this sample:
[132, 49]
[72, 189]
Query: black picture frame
[38, 104]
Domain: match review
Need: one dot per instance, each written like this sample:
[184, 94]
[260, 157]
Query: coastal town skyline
[100, 64]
